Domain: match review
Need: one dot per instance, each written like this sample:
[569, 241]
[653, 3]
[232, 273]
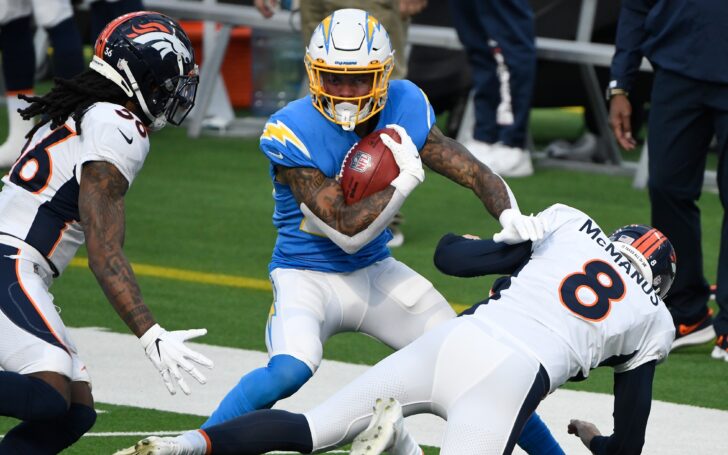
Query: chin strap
[157, 123]
[106, 70]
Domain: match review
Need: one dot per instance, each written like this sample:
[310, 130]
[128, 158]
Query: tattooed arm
[101, 206]
[350, 227]
[324, 197]
[451, 159]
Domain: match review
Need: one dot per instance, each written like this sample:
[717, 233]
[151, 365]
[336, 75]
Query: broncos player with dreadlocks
[67, 187]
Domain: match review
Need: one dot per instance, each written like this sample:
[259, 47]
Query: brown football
[369, 167]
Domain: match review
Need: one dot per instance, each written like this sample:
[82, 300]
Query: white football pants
[463, 371]
[387, 300]
[33, 337]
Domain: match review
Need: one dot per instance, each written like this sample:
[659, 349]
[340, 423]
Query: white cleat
[154, 445]
[719, 354]
[380, 435]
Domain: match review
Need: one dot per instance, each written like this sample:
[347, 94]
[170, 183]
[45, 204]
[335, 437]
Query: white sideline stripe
[110, 434]
[122, 375]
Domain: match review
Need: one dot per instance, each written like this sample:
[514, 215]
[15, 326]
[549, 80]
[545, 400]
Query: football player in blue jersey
[331, 269]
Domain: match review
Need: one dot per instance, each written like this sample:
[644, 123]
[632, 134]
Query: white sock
[194, 442]
[404, 444]
[17, 129]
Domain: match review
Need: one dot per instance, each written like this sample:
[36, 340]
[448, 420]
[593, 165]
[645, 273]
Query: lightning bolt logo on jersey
[300, 136]
[279, 132]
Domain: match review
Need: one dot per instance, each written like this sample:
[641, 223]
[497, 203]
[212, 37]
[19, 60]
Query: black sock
[260, 432]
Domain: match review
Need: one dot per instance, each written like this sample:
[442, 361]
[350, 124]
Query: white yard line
[122, 375]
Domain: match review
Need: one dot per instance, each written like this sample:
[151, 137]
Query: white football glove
[405, 154]
[168, 352]
[518, 227]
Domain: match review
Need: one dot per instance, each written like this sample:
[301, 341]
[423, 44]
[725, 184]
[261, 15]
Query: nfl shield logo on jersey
[361, 161]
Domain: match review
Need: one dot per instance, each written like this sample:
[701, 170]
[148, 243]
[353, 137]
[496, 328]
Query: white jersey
[39, 201]
[577, 314]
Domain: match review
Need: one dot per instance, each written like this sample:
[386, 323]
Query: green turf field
[205, 205]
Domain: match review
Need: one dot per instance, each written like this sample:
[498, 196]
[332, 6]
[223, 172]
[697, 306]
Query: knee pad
[288, 374]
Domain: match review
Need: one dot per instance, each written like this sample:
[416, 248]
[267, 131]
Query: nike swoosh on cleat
[278, 155]
[156, 343]
[128, 140]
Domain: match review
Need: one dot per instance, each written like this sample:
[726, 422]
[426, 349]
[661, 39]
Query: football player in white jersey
[573, 301]
[67, 187]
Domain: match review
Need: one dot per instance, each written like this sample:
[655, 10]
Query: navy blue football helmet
[151, 58]
[650, 251]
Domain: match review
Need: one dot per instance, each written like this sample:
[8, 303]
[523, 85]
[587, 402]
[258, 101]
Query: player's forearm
[632, 404]
[352, 219]
[324, 197]
[116, 278]
[452, 160]
[101, 207]
[493, 192]
[353, 243]
[459, 256]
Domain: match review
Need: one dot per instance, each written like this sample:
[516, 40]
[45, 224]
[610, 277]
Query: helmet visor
[182, 100]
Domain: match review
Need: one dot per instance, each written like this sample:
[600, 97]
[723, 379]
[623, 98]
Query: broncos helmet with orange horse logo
[150, 57]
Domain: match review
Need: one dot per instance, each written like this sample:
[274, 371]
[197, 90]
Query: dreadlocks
[71, 97]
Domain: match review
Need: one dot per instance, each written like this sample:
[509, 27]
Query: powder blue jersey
[300, 136]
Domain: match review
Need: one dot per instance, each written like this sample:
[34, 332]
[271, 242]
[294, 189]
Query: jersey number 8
[590, 294]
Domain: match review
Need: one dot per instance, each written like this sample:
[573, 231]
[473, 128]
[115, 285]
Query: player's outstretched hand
[408, 159]
[583, 430]
[518, 227]
[168, 353]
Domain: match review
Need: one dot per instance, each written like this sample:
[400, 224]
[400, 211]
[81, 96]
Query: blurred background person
[499, 40]
[19, 63]
[443, 74]
[561, 84]
[105, 11]
[689, 106]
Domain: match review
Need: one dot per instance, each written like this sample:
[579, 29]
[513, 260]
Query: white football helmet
[349, 42]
